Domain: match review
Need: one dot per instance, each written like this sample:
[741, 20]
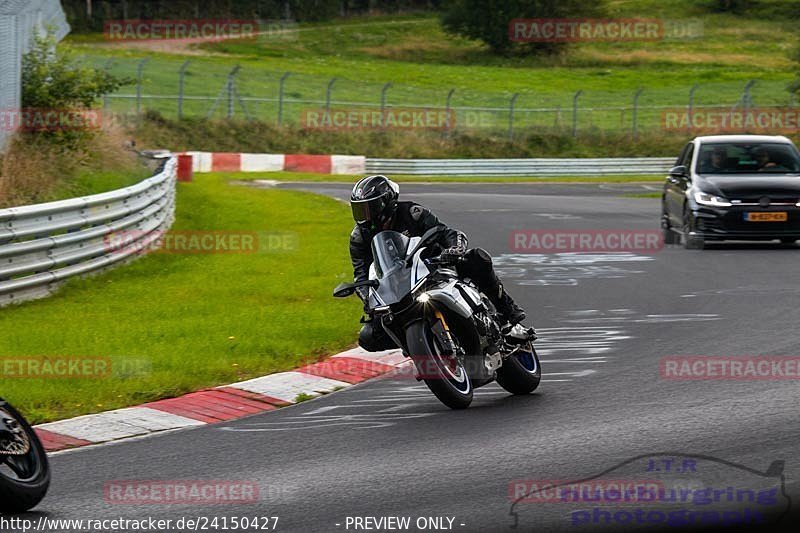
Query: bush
[475, 20]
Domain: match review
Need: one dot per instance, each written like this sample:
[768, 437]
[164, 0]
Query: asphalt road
[387, 448]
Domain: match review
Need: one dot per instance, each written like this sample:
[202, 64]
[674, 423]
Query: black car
[733, 187]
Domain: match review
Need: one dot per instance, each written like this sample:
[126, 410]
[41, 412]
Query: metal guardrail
[43, 245]
[521, 167]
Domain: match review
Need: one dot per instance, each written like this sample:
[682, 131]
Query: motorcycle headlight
[703, 198]
[424, 298]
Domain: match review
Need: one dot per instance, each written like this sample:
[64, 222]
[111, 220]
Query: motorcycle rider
[375, 206]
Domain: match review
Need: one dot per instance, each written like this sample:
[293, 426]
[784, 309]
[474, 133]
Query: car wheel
[670, 237]
[691, 242]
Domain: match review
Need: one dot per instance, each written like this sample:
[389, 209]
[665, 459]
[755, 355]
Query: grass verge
[173, 323]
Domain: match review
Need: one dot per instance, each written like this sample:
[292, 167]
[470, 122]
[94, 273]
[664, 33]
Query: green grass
[185, 322]
[93, 182]
[643, 195]
[424, 64]
[400, 178]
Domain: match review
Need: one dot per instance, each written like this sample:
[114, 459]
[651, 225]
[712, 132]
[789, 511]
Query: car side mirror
[343, 290]
[678, 172]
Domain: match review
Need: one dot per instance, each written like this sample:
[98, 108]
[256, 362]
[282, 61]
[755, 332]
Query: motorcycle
[450, 330]
[24, 469]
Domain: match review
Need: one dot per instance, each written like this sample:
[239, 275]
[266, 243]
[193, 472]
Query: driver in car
[376, 208]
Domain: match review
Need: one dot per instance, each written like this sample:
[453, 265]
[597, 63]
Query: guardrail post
[232, 89]
[280, 96]
[385, 88]
[447, 123]
[636, 113]
[511, 116]
[690, 110]
[181, 76]
[575, 112]
[139, 74]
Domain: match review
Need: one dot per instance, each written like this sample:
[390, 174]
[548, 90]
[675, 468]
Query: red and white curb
[239, 162]
[221, 404]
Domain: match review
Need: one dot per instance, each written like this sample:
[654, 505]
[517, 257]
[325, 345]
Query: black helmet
[374, 200]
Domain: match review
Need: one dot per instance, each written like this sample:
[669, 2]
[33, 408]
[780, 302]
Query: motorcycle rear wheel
[521, 373]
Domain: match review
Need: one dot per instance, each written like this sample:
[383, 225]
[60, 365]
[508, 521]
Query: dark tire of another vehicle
[691, 242]
[24, 479]
[444, 375]
[520, 373]
[670, 237]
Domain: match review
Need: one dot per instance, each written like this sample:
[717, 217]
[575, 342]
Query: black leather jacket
[410, 219]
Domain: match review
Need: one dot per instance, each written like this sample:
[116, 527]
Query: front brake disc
[14, 440]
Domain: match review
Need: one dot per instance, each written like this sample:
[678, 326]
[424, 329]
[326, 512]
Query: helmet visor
[365, 211]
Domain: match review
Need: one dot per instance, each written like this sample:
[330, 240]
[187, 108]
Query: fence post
[181, 74]
[328, 95]
[747, 99]
[511, 116]
[690, 111]
[636, 113]
[447, 123]
[575, 112]
[280, 96]
[231, 89]
[139, 73]
[385, 88]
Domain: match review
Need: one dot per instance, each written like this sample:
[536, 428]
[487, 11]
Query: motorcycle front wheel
[444, 374]
[24, 469]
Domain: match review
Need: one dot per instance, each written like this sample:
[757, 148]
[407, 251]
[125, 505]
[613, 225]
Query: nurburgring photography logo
[570, 30]
[659, 489]
[34, 120]
[559, 241]
[198, 30]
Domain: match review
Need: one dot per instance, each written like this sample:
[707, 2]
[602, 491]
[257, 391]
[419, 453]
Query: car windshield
[748, 158]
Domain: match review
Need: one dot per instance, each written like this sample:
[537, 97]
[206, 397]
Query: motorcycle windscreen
[389, 250]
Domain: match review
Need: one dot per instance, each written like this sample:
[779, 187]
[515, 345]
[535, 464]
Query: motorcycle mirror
[344, 290]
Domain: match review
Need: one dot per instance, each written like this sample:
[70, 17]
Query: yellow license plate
[777, 216]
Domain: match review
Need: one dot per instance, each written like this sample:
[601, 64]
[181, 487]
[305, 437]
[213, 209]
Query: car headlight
[703, 198]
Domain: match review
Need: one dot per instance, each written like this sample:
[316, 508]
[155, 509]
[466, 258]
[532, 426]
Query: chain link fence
[199, 88]
[19, 21]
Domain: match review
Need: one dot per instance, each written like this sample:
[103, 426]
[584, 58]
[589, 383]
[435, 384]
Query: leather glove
[363, 293]
[452, 255]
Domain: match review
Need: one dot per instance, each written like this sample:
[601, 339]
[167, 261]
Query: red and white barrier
[237, 162]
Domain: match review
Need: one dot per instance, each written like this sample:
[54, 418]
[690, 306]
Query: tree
[488, 20]
[52, 81]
